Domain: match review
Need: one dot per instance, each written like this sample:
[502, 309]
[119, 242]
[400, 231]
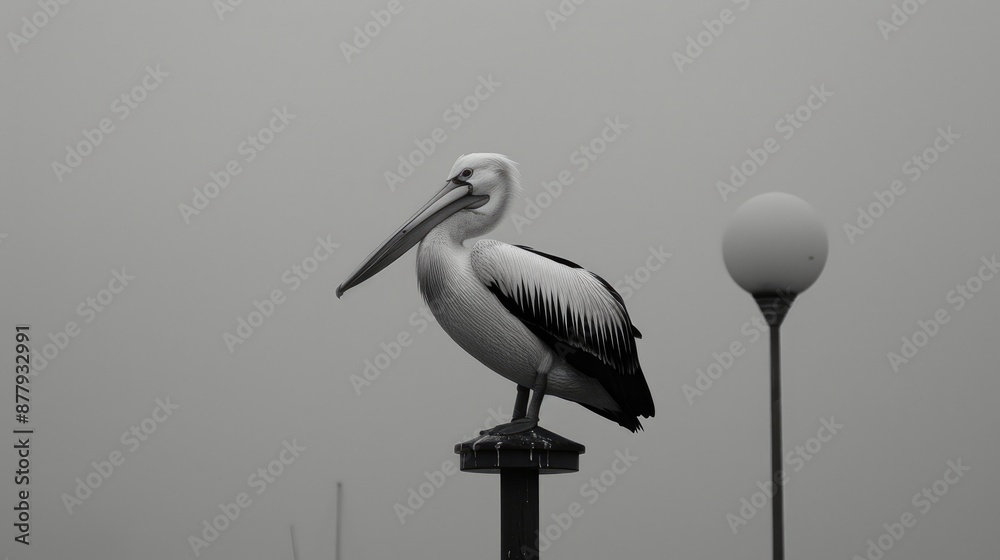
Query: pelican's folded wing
[575, 311]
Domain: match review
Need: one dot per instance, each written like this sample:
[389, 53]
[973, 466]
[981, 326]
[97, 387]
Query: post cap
[536, 449]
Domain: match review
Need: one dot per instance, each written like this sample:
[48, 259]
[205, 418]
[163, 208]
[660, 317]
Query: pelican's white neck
[442, 262]
[445, 233]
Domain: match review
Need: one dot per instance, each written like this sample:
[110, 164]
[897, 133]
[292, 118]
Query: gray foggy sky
[313, 182]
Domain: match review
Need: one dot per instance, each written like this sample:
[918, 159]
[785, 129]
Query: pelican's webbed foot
[515, 427]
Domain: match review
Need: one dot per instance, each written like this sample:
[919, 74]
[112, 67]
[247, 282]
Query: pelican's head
[491, 175]
[477, 195]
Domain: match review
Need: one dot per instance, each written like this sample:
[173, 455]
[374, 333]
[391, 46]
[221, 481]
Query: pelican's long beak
[456, 195]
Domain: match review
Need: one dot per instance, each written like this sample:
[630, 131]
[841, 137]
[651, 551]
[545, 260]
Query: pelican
[538, 320]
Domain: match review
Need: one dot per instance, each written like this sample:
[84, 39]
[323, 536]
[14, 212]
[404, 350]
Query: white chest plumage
[473, 316]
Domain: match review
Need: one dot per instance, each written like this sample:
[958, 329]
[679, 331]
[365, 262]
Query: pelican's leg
[521, 403]
[520, 409]
[523, 420]
[535, 406]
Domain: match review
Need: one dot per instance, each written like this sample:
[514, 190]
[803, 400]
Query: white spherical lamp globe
[775, 243]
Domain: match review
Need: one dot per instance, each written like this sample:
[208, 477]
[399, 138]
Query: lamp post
[775, 247]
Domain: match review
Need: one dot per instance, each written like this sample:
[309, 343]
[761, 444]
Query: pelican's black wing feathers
[577, 313]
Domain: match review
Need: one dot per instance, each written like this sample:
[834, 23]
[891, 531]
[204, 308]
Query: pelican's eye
[466, 174]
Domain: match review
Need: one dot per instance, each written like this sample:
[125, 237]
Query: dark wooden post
[519, 459]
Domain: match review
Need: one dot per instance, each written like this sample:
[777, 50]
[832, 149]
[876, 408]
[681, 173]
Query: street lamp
[775, 247]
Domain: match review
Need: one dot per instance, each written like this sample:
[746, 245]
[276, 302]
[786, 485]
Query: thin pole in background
[778, 506]
[774, 308]
[339, 510]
